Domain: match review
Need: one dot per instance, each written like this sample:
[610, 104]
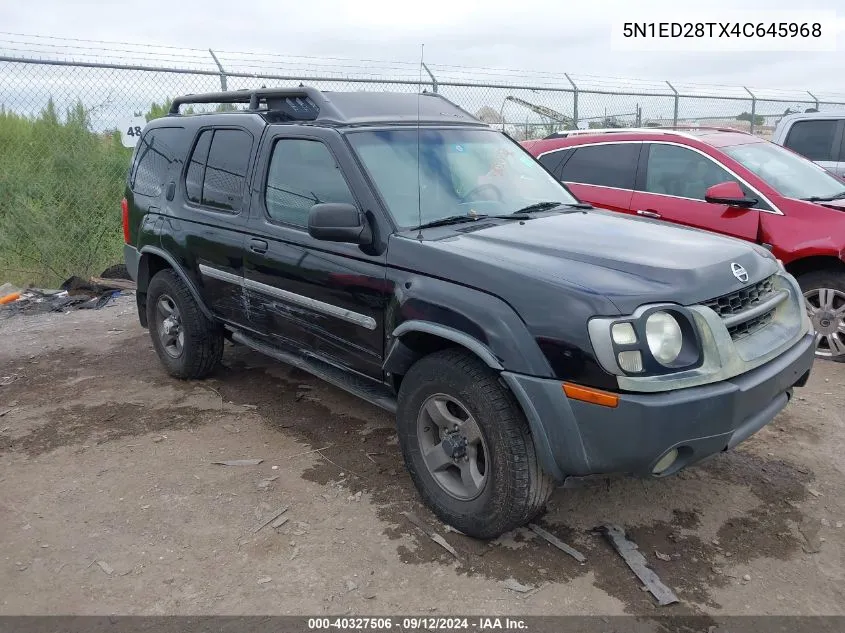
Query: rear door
[313, 296]
[602, 174]
[671, 186]
[819, 140]
[208, 219]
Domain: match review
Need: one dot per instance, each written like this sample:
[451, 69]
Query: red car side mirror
[729, 193]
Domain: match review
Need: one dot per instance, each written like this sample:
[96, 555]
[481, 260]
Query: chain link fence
[63, 165]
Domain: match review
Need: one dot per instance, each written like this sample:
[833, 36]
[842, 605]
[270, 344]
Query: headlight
[664, 337]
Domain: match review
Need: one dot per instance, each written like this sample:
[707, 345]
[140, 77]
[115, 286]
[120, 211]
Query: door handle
[258, 246]
[648, 213]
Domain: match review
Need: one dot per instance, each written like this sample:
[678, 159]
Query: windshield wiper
[838, 196]
[537, 207]
[452, 219]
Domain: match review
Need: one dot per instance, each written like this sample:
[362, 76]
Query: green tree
[746, 116]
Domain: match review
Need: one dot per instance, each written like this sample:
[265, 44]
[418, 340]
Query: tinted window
[612, 165]
[813, 139]
[677, 171]
[156, 151]
[225, 172]
[302, 174]
[196, 167]
[553, 161]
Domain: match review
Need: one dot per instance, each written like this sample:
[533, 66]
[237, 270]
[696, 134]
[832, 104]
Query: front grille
[752, 325]
[741, 300]
[738, 302]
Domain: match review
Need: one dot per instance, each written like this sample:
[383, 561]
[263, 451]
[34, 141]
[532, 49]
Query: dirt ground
[110, 502]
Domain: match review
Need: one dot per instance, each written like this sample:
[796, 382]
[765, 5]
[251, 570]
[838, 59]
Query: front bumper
[575, 438]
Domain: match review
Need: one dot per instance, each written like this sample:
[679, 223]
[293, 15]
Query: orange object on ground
[9, 298]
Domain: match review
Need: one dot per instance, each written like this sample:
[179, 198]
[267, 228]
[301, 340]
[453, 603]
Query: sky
[530, 35]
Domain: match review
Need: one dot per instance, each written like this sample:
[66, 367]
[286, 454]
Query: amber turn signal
[593, 396]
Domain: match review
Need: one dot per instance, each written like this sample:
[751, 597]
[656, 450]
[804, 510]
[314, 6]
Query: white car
[816, 135]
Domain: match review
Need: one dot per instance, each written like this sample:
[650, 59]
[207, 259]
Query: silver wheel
[826, 309]
[169, 326]
[453, 448]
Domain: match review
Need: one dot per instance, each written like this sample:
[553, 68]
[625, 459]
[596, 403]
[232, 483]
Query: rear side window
[611, 165]
[157, 150]
[217, 170]
[302, 173]
[813, 139]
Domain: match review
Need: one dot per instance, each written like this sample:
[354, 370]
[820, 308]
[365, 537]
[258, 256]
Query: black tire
[811, 283]
[202, 340]
[516, 489]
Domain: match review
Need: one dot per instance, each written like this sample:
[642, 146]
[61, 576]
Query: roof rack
[303, 103]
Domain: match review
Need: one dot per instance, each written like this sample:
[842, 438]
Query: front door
[672, 188]
[307, 295]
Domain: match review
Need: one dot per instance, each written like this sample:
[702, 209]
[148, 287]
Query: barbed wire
[46, 48]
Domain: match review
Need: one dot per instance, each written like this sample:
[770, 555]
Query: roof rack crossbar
[255, 97]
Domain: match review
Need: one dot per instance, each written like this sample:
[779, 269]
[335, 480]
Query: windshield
[787, 173]
[461, 172]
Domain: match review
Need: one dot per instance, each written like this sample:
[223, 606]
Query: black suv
[395, 246]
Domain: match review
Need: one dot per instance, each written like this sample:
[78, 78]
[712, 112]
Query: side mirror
[729, 193]
[339, 222]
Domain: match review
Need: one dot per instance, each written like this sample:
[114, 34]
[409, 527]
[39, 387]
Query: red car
[725, 181]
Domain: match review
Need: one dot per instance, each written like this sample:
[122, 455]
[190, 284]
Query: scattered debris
[105, 567]
[274, 468]
[5, 411]
[8, 380]
[316, 450]
[371, 455]
[666, 557]
[231, 428]
[839, 524]
[264, 580]
[636, 561]
[515, 585]
[351, 585]
[279, 522]
[747, 577]
[551, 538]
[158, 438]
[275, 516]
[449, 528]
[814, 492]
[368, 595]
[413, 518]
[251, 407]
[264, 484]
[239, 462]
[809, 528]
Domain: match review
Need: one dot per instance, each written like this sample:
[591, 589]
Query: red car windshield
[787, 173]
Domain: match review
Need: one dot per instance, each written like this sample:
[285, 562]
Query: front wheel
[824, 293]
[467, 446]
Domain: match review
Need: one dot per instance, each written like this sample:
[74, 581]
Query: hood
[630, 261]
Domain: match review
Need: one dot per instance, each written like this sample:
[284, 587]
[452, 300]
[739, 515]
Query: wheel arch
[152, 261]
[814, 263]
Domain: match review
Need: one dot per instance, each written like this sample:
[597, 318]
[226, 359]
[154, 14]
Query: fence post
[815, 98]
[753, 108]
[675, 115]
[574, 101]
[223, 85]
[433, 78]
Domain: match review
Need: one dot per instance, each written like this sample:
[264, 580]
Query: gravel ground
[110, 502]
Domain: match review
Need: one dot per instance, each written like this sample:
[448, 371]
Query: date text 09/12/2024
[418, 623]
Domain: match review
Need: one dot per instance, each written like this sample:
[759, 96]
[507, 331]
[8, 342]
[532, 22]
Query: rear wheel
[188, 343]
[824, 293]
[467, 446]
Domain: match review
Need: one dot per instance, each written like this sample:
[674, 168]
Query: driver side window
[677, 171]
[681, 172]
